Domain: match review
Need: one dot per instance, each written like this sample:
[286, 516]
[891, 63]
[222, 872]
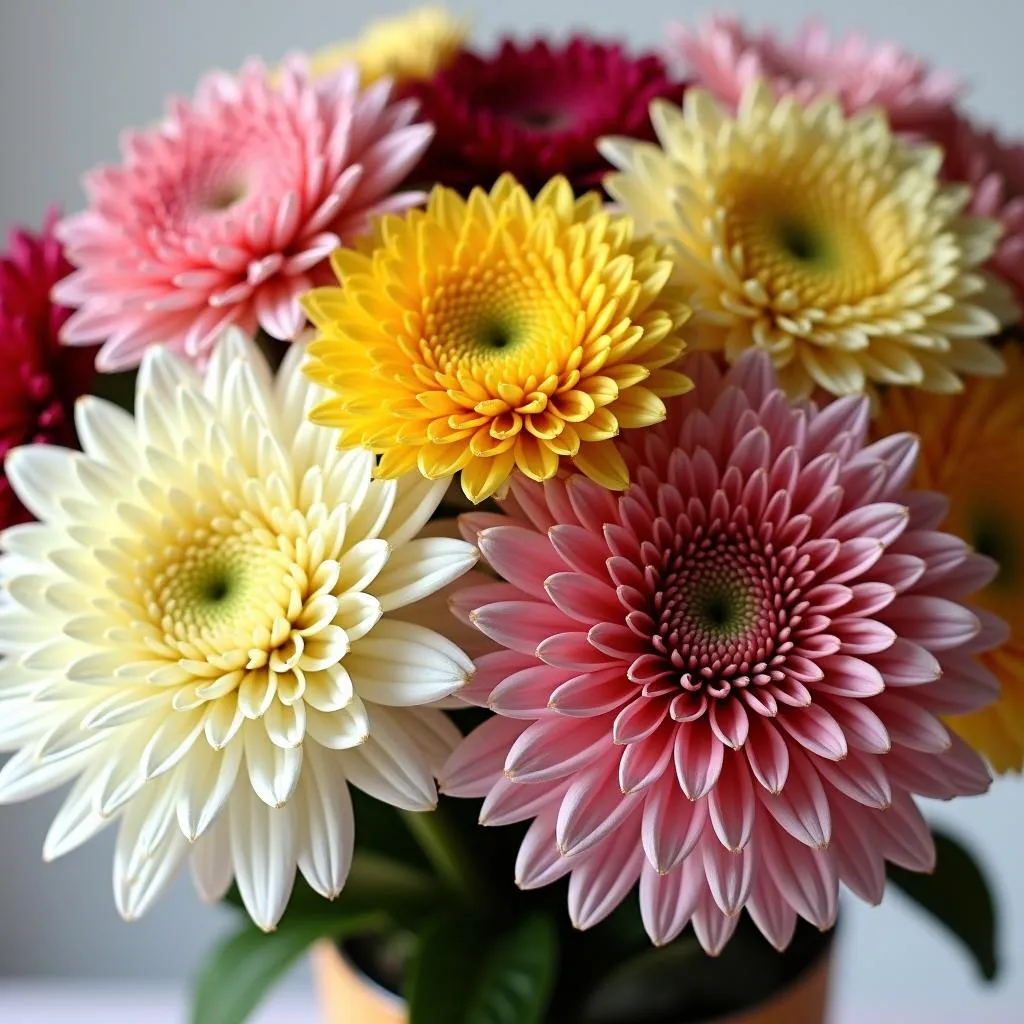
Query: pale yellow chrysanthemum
[972, 452]
[213, 630]
[412, 45]
[820, 239]
[498, 333]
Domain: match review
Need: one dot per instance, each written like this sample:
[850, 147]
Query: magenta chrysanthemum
[995, 171]
[724, 58]
[39, 380]
[226, 212]
[726, 683]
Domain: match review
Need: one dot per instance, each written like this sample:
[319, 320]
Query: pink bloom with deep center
[724, 58]
[726, 683]
[226, 212]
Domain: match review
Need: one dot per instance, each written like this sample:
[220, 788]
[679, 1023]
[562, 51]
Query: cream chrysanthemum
[406, 47]
[209, 631]
[822, 240]
[498, 333]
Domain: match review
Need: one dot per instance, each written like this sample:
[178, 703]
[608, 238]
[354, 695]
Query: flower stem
[447, 851]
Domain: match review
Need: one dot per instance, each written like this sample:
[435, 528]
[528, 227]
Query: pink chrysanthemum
[726, 683]
[39, 380]
[995, 171]
[226, 212]
[724, 59]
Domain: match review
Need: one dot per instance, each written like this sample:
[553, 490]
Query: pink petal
[668, 899]
[509, 802]
[806, 878]
[771, 912]
[863, 729]
[802, 807]
[729, 876]
[910, 725]
[849, 677]
[698, 758]
[580, 549]
[933, 622]
[859, 776]
[525, 694]
[729, 722]
[672, 824]
[816, 730]
[603, 881]
[905, 663]
[479, 760]
[712, 928]
[573, 650]
[539, 863]
[554, 749]
[731, 804]
[583, 598]
[768, 755]
[592, 693]
[523, 557]
[639, 719]
[643, 763]
[520, 625]
[592, 808]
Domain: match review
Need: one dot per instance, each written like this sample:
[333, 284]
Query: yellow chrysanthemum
[972, 451]
[499, 332]
[822, 240]
[408, 46]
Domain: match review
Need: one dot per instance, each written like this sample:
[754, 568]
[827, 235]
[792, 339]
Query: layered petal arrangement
[498, 333]
[972, 451]
[39, 381]
[212, 631]
[727, 682]
[406, 47]
[226, 212]
[726, 59]
[995, 171]
[821, 240]
[536, 110]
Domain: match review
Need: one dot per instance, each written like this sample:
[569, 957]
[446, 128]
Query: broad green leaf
[469, 972]
[237, 975]
[957, 894]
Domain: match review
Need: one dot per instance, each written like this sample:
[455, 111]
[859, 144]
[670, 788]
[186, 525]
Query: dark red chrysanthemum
[537, 110]
[40, 379]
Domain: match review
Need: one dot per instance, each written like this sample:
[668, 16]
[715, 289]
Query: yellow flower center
[497, 313]
[820, 242]
[213, 586]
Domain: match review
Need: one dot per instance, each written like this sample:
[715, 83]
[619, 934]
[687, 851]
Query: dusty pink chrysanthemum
[726, 682]
[995, 171]
[724, 59]
[225, 213]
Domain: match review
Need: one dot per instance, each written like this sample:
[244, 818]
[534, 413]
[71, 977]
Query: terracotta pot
[347, 996]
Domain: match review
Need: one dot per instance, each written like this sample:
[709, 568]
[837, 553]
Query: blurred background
[73, 74]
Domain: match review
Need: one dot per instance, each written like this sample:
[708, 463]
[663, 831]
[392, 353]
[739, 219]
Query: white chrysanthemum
[210, 631]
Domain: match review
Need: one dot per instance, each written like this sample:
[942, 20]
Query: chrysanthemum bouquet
[722, 373]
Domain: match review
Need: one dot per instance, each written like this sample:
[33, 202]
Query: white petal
[402, 665]
[207, 778]
[434, 733]
[361, 563]
[389, 767]
[273, 771]
[212, 870]
[76, 822]
[415, 502]
[421, 567]
[339, 730]
[263, 850]
[326, 843]
[24, 777]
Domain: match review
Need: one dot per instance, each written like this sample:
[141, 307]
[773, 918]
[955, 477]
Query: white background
[73, 73]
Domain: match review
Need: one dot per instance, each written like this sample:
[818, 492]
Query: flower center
[494, 313]
[821, 242]
[724, 612]
[223, 196]
[210, 585]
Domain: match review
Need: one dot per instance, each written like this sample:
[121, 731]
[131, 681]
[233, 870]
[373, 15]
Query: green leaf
[237, 975]
[467, 972]
[957, 894]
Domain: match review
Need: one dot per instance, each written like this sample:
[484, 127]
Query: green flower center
[721, 608]
[805, 244]
[210, 582]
